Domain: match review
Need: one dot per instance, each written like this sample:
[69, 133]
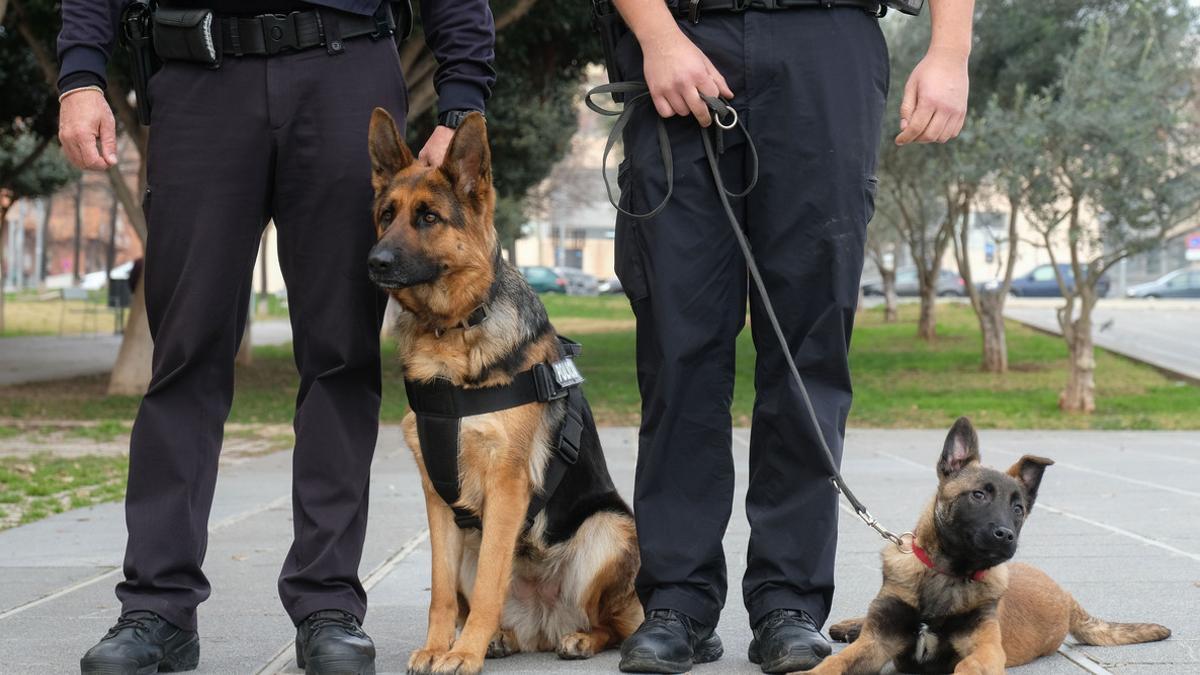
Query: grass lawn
[900, 382]
[28, 314]
[32, 488]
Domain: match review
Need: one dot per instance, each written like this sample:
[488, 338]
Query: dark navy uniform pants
[283, 137]
[810, 85]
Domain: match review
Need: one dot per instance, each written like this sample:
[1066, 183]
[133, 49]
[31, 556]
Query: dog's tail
[1092, 631]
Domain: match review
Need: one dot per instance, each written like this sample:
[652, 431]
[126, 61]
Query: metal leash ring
[733, 118]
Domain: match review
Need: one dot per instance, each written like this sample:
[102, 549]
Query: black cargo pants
[810, 85]
[283, 137]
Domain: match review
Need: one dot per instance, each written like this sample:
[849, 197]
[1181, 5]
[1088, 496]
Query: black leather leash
[726, 118]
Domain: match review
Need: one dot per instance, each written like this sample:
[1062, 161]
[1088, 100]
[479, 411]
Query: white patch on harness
[927, 644]
[566, 374]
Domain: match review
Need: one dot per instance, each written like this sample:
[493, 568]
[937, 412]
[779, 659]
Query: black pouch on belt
[612, 28]
[186, 35]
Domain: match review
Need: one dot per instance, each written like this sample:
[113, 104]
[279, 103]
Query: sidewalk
[1115, 524]
[33, 359]
[1161, 333]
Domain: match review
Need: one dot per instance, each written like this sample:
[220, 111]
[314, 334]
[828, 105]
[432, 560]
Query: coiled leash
[726, 118]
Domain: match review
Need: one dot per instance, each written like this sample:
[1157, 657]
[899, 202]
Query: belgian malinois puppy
[954, 603]
[565, 583]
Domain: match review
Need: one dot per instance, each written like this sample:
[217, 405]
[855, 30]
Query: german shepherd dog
[965, 608]
[566, 583]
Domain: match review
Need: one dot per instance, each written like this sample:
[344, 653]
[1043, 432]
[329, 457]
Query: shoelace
[137, 621]
[789, 617]
[666, 616]
[334, 618]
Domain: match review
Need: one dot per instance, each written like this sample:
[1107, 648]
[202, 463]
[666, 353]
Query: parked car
[1182, 283]
[610, 286]
[949, 284]
[579, 282]
[1041, 282]
[545, 279]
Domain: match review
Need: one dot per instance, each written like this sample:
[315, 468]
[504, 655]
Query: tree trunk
[131, 373]
[1079, 396]
[991, 325]
[512, 252]
[927, 324]
[891, 312]
[245, 354]
[3, 257]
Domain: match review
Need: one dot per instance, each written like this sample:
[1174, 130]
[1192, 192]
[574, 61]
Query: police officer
[809, 80]
[273, 127]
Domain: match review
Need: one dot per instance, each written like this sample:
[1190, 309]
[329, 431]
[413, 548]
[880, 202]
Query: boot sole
[797, 658]
[647, 662]
[184, 658]
[333, 665]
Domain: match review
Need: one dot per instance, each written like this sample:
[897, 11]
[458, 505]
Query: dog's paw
[421, 661]
[503, 644]
[577, 646]
[846, 631]
[457, 663]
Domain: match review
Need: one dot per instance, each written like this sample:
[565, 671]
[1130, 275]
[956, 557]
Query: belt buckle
[279, 32]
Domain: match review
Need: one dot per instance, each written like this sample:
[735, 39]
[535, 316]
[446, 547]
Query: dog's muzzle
[390, 268]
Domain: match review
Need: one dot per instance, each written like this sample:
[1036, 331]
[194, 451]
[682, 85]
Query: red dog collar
[923, 556]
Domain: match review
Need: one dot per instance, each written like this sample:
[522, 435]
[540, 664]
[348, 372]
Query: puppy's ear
[961, 449]
[389, 154]
[468, 162]
[1028, 471]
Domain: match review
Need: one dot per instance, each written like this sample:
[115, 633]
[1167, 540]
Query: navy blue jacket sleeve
[462, 36]
[87, 40]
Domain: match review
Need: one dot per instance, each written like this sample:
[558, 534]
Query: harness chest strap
[440, 406]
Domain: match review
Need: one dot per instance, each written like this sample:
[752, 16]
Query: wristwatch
[453, 118]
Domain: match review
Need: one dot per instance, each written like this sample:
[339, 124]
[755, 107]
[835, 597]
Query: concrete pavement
[1162, 333]
[1115, 524]
[34, 359]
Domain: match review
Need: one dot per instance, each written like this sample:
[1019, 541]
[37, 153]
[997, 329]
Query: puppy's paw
[457, 663]
[578, 646]
[421, 661]
[846, 631]
[503, 644]
[974, 667]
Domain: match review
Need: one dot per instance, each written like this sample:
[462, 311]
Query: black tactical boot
[140, 643]
[786, 640]
[331, 642]
[669, 642]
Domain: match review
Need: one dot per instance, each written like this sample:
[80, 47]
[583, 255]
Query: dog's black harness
[440, 407]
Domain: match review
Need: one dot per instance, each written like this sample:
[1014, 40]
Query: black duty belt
[270, 34]
[692, 9]
[440, 407]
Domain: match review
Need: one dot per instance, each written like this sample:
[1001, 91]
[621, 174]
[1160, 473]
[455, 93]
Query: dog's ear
[389, 154]
[1028, 471]
[468, 162]
[961, 449]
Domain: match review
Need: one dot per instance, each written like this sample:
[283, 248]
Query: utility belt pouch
[187, 35]
[612, 28]
[136, 35]
[910, 7]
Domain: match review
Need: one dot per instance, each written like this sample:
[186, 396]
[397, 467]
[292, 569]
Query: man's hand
[677, 73]
[84, 119]
[935, 100]
[435, 148]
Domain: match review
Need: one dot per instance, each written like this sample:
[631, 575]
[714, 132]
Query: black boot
[331, 642]
[787, 640]
[142, 642]
[669, 642]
